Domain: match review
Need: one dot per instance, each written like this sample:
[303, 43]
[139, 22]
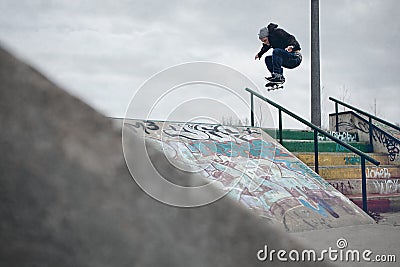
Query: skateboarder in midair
[286, 52]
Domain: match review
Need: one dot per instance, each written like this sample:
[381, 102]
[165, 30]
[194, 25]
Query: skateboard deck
[273, 86]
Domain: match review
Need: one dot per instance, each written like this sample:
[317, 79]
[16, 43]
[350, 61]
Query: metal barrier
[370, 118]
[317, 130]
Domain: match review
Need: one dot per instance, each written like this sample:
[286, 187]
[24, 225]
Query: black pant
[282, 58]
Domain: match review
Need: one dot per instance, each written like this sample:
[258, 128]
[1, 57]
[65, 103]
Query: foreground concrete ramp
[67, 198]
[254, 169]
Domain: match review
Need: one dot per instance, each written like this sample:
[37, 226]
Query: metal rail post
[364, 185]
[252, 109]
[316, 161]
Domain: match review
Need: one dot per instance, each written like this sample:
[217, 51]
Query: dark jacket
[279, 38]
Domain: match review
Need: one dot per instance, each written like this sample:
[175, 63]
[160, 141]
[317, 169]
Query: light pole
[315, 65]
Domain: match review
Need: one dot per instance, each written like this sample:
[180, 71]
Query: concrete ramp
[254, 170]
[67, 198]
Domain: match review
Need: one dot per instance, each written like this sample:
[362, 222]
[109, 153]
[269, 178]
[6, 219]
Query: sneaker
[271, 77]
[276, 78]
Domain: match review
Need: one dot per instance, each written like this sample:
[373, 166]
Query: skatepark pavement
[381, 238]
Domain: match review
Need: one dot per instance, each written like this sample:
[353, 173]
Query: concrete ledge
[379, 203]
[323, 146]
[354, 172]
[374, 186]
[339, 159]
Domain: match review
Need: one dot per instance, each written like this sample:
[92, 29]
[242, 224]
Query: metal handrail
[373, 128]
[317, 130]
[370, 116]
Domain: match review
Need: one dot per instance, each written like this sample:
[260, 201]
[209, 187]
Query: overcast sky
[103, 50]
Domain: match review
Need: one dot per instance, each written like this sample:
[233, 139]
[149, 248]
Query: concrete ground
[382, 238]
[392, 219]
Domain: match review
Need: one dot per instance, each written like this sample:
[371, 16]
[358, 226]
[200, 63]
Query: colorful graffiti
[256, 170]
[352, 160]
[340, 148]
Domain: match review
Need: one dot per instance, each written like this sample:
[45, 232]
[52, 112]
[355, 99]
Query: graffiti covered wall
[383, 140]
[257, 171]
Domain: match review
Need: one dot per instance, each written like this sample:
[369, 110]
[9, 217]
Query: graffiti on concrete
[386, 186]
[394, 132]
[257, 171]
[374, 186]
[378, 173]
[343, 187]
[146, 126]
[254, 148]
[342, 136]
[352, 160]
[340, 148]
[217, 133]
[391, 144]
[351, 125]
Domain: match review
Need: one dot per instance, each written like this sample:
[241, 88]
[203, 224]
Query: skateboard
[273, 86]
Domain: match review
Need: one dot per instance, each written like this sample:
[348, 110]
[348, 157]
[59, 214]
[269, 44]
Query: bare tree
[345, 95]
[230, 121]
[373, 107]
